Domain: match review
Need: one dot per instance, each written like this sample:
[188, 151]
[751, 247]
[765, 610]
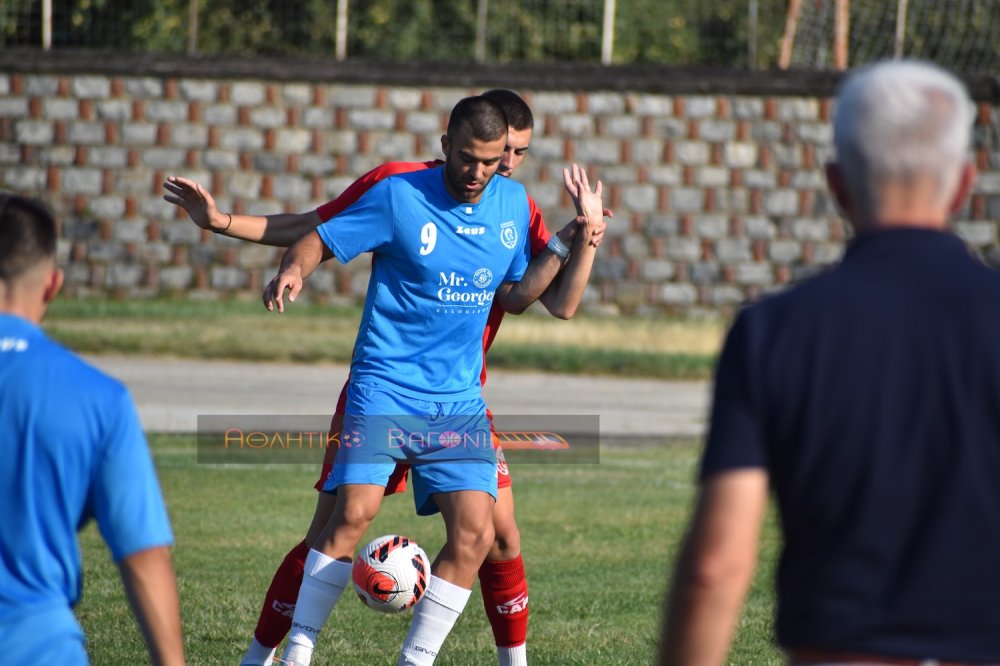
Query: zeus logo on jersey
[456, 291]
[470, 231]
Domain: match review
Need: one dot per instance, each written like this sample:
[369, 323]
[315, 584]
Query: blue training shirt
[72, 449]
[437, 265]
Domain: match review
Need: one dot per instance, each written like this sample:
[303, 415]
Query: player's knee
[358, 516]
[473, 541]
[506, 541]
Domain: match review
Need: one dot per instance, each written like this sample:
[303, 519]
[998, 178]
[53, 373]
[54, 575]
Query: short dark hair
[518, 112]
[27, 235]
[481, 118]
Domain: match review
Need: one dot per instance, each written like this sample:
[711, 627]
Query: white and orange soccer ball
[390, 574]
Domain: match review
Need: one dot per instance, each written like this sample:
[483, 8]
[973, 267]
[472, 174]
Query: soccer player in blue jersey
[72, 450]
[448, 241]
[502, 578]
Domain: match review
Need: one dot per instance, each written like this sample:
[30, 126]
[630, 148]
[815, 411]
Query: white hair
[898, 120]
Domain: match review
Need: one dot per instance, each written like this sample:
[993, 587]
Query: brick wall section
[718, 196]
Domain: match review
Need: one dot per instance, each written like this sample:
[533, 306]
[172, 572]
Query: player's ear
[53, 284]
[965, 182]
[444, 144]
[838, 187]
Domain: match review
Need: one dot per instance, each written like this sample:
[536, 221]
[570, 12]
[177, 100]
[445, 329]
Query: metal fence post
[192, 45]
[341, 30]
[482, 12]
[897, 50]
[46, 24]
[608, 33]
[791, 26]
[841, 33]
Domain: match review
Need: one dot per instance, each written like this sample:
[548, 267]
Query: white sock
[433, 618]
[324, 580]
[257, 654]
[513, 656]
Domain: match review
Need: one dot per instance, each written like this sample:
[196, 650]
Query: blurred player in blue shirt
[72, 450]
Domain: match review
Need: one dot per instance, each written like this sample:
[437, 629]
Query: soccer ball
[390, 573]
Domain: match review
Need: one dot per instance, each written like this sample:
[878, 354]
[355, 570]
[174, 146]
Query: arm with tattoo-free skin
[151, 588]
[281, 230]
[714, 569]
[563, 296]
[515, 297]
[298, 263]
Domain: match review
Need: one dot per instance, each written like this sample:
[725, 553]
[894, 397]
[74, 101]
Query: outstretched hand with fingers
[589, 203]
[196, 201]
[290, 279]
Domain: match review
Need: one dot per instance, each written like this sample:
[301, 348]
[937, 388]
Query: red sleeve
[538, 234]
[365, 183]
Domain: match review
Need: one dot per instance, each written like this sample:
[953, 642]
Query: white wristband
[558, 248]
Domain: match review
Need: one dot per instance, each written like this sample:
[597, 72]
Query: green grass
[665, 348]
[597, 540]
[613, 362]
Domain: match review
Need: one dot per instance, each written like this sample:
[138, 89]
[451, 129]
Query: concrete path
[171, 393]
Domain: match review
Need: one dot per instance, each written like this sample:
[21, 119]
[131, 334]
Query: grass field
[665, 348]
[597, 539]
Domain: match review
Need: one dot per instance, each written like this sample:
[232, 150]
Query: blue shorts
[449, 445]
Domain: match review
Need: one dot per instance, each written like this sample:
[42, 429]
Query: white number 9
[428, 236]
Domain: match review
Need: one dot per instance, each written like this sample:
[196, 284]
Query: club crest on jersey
[508, 235]
[482, 278]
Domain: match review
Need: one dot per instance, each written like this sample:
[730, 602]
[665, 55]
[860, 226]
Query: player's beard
[457, 182]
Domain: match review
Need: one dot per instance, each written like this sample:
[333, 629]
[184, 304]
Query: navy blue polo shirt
[871, 395]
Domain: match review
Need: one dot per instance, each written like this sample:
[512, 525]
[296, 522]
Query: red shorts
[397, 481]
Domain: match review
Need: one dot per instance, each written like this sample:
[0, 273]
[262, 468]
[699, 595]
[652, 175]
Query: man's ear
[444, 144]
[838, 187]
[53, 284]
[965, 183]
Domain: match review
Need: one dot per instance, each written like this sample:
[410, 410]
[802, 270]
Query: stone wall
[715, 178]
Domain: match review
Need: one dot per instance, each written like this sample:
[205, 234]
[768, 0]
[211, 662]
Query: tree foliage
[957, 33]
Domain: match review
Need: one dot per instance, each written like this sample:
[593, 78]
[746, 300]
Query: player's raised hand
[597, 230]
[589, 203]
[197, 201]
[598, 233]
[290, 279]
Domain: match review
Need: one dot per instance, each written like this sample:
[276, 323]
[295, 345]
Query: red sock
[505, 596]
[276, 616]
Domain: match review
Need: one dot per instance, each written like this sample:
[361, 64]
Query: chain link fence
[738, 33]
[961, 34]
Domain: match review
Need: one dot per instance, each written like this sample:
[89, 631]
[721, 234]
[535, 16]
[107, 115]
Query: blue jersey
[437, 265]
[72, 449]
